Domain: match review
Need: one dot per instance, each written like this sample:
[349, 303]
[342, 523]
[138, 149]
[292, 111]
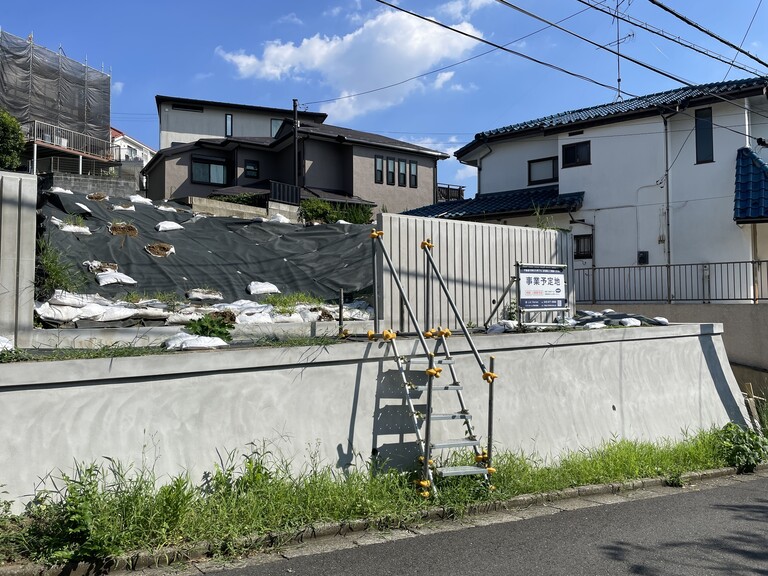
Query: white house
[128, 149]
[647, 183]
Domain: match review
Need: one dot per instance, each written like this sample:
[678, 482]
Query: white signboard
[541, 287]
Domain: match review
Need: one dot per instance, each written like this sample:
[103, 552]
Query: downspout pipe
[667, 225]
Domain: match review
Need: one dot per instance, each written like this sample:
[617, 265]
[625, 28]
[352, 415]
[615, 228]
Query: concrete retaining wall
[557, 391]
[745, 326]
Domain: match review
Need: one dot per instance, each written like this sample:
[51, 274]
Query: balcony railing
[745, 281]
[448, 192]
[76, 142]
[285, 193]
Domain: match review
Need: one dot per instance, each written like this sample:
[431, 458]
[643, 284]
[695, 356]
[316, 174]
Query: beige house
[256, 150]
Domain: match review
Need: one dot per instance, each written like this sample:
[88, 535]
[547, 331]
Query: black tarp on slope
[224, 254]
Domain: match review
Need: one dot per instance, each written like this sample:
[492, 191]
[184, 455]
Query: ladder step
[426, 361]
[446, 388]
[460, 470]
[452, 416]
[458, 443]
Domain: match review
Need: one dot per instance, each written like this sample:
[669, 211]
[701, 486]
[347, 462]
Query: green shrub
[742, 447]
[53, 271]
[316, 210]
[214, 325]
[11, 141]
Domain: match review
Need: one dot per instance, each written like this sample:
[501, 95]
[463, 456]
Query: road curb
[144, 560]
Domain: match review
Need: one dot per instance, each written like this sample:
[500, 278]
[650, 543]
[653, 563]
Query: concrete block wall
[116, 187]
[18, 199]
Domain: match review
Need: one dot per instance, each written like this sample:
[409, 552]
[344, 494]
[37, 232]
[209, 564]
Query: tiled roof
[750, 202]
[497, 204]
[670, 99]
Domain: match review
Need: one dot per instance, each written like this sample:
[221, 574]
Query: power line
[709, 33]
[565, 71]
[757, 9]
[676, 39]
[436, 70]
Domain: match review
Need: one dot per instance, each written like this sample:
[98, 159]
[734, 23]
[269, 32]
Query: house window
[251, 169]
[378, 169]
[542, 170]
[402, 174]
[275, 126]
[582, 246]
[413, 175]
[227, 125]
[208, 171]
[187, 107]
[704, 145]
[577, 154]
[391, 171]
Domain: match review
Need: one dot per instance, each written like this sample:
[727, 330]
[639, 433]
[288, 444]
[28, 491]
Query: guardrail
[77, 142]
[745, 281]
[286, 193]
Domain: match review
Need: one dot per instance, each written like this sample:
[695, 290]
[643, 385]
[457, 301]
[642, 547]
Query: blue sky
[267, 52]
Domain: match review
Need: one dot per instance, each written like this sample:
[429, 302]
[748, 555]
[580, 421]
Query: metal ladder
[434, 360]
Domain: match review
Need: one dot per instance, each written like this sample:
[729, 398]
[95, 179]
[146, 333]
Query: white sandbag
[630, 322]
[96, 266]
[495, 329]
[661, 320]
[279, 218]
[240, 306]
[307, 314]
[184, 341]
[262, 288]
[342, 222]
[204, 294]
[253, 317]
[84, 207]
[608, 311]
[568, 322]
[113, 313]
[5, 344]
[151, 313]
[60, 190]
[120, 208]
[164, 208]
[286, 318]
[167, 225]
[107, 278]
[68, 313]
[182, 318]
[82, 230]
[64, 298]
[594, 325]
[138, 199]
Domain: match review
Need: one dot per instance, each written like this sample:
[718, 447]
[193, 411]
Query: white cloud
[442, 78]
[200, 76]
[465, 173]
[387, 48]
[290, 19]
[117, 88]
[462, 9]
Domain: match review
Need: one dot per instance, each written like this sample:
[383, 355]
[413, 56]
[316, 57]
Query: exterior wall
[18, 199]
[130, 149]
[394, 199]
[268, 168]
[549, 398]
[156, 183]
[324, 165]
[506, 166]
[475, 260]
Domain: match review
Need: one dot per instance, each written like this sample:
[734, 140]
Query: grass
[107, 351]
[285, 303]
[110, 509]
[54, 271]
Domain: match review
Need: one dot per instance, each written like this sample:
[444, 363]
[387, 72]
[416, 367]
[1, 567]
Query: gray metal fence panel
[475, 259]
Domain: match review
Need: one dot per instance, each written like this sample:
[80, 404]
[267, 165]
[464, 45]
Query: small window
[187, 107]
[704, 142]
[402, 174]
[413, 175]
[577, 154]
[378, 169]
[227, 125]
[391, 171]
[542, 170]
[582, 246]
[208, 172]
[275, 126]
[251, 169]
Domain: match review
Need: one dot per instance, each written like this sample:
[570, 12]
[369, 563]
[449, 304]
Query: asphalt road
[717, 527]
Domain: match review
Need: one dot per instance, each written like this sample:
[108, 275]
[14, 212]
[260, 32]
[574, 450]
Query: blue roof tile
[750, 202]
[521, 202]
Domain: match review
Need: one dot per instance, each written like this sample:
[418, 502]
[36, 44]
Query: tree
[11, 142]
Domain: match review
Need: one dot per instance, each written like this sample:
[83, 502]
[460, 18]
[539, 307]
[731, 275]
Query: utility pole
[296, 143]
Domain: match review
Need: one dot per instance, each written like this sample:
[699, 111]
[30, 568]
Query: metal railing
[70, 165]
[448, 192]
[286, 193]
[77, 142]
[745, 281]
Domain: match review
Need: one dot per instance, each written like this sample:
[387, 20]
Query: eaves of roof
[287, 112]
[641, 106]
[523, 202]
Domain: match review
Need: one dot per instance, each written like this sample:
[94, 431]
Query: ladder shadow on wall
[394, 443]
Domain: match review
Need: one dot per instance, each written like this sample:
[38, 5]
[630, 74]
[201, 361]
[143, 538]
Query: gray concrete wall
[18, 198]
[745, 326]
[556, 391]
[120, 187]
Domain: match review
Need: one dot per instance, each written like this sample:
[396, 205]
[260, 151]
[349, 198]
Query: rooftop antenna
[619, 98]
